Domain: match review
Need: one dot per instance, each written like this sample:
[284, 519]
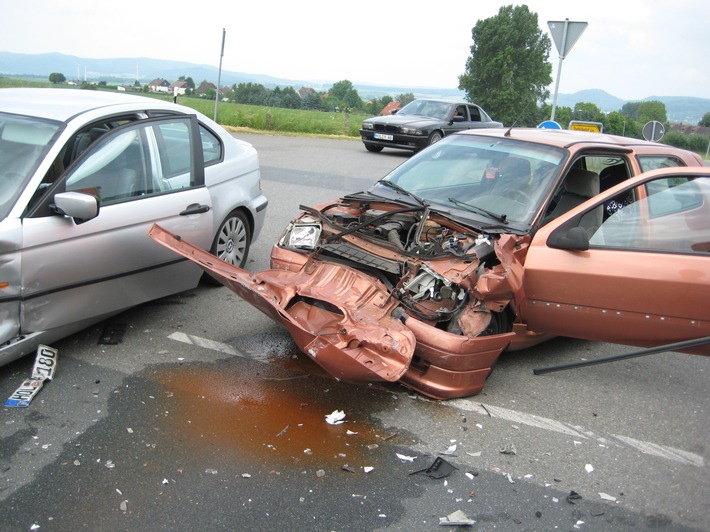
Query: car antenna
[507, 133]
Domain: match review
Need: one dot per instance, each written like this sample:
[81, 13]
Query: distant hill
[680, 109]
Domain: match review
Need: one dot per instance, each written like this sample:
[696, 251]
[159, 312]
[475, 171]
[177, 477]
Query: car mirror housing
[80, 207]
[573, 239]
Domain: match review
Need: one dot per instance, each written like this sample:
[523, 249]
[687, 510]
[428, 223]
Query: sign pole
[565, 34]
[219, 75]
[559, 68]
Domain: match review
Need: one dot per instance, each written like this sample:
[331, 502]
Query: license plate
[25, 393]
[384, 136]
[45, 363]
[43, 370]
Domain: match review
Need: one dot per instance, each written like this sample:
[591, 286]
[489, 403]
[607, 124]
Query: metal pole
[219, 75]
[559, 70]
[644, 352]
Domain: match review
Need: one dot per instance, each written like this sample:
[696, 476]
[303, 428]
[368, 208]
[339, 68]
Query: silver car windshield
[502, 179]
[22, 144]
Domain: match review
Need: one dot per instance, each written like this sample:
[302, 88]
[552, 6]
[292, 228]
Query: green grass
[252, 117]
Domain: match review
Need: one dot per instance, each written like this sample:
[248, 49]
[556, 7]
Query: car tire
[373, 148]
[435, 137]
[231, 243]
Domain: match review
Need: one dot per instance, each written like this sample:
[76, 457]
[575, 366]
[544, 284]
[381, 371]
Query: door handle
[194, 208]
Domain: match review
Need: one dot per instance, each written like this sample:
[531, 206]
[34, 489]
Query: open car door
[642, 278]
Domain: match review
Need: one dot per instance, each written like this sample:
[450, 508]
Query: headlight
[411, 131]
[367, 125]
[304, 236]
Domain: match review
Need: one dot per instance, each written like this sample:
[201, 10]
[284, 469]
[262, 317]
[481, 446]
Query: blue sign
[549, 124]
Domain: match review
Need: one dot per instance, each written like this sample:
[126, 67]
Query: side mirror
[457, 118]
[574, 239]
[80, 207]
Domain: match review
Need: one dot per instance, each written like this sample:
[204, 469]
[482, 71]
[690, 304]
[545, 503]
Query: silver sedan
[83, 176]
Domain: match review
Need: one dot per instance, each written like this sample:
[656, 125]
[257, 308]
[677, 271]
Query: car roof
[63, 104]
[562, 138]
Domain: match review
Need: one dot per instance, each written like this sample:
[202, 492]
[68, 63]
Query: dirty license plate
[384, 136]
[45, 363]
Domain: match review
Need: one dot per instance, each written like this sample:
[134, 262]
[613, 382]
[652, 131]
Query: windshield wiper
[503, 218]
[404, 191]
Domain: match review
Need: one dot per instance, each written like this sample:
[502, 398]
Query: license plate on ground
[45, 363]
[43, 371]
[384, 136]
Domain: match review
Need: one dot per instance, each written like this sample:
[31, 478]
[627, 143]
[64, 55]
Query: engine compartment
[429, 263]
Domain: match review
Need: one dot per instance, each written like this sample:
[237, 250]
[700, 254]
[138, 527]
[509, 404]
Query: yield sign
[565, 34]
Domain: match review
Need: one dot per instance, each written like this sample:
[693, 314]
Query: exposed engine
[414, 259]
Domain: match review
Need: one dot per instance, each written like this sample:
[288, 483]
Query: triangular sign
[574, 30]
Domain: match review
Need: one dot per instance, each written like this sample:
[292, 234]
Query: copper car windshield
[504, 179]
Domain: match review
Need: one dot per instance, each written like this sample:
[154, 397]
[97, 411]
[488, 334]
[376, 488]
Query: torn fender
[338, 316]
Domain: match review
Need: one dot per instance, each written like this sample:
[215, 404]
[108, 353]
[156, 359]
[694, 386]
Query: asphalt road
[205, 416]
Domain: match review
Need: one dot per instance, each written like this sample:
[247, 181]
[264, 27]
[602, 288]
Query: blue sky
[631, 48]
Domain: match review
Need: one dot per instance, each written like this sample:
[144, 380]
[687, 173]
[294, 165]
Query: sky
[631, 49]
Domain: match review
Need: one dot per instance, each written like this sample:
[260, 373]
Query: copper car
[490, 241]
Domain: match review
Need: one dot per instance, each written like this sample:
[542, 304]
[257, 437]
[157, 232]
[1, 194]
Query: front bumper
[399, 141]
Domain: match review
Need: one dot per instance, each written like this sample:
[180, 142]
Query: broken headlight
[303, 236]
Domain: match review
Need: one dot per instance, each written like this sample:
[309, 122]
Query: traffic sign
[653, 131]
[549, 124]
[580, 125]
[565, 34]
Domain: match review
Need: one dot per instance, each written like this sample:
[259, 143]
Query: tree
[57, 77]
[587, 112]
[705, 120]
[651, 110]
[346, 95]
[508, 71]
[405, 98]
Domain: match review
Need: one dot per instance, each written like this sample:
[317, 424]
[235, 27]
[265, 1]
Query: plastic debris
[283, 431]
[406, 458]
[211, 471]
[335, 418]
[246, 475]
[607, 497]
[588, 468]
[573, 496]
[350, 433]
[510, 479]
[457, 518]
[450, 450]
[320, 473]
[475, 455]
[368, 469]
[509, 449]
[440, 468]
[346, 467]
[123, 506]
[43, 371]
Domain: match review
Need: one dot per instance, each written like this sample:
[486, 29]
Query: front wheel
[231, 244]
[434, 138]
[373, 148]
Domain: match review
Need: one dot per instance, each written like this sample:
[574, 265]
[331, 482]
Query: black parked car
[421, 123]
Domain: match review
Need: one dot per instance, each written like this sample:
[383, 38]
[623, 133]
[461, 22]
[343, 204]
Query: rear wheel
[373, 148]
[231, 244]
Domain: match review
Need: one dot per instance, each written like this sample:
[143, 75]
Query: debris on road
[607, 497]
[573, 496]
[589, 468]
[457, 518]
[440, 468]
[509, 449]
[406, 458]
[335, 418]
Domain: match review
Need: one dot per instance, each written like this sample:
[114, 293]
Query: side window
[211, 146]
[137, 160]
[674, 217]
[652, 162]
[475, 113]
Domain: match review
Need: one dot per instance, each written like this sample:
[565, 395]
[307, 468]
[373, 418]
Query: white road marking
[662, 451]
[575, 431]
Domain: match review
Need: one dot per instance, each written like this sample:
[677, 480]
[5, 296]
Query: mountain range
[680, 109]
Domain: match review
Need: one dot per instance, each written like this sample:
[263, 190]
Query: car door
[143, 172]
[642, 278]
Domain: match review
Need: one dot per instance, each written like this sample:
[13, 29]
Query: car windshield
[429, 108]
[22, 143]
[497, 180]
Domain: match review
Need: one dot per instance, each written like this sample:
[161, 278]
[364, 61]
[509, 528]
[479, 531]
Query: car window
[674, 217]
[22, 144]
[137, 160]
[211, 146]
[652, 162]
[475, 113]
